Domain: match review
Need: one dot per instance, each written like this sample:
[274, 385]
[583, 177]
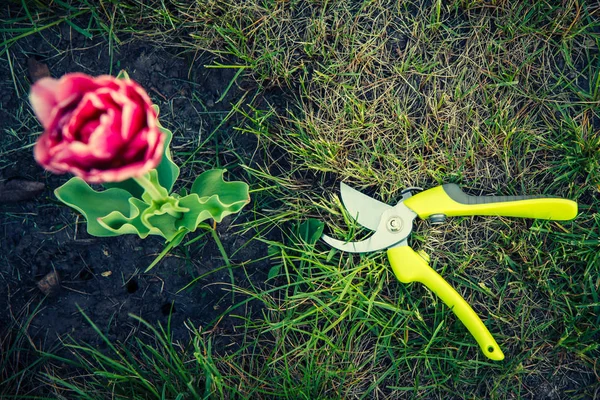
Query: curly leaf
[115, 211]
[212, 197]
[145, 219]
[93, 205]
[210, 183]
[166, 218]
[154, 180]
[120, 224]
[112, 212]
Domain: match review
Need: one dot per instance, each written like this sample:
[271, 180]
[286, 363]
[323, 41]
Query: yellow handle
[409, 266]
[451, 201]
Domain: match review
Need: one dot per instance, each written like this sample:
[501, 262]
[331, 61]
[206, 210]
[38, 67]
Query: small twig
[75, 290]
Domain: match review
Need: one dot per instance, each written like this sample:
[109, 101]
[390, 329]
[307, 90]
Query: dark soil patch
[104, 276]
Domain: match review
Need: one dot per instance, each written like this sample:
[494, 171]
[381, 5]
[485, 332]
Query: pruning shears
[393, 224]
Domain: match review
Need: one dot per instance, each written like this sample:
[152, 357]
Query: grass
[153, 368]
[499, 97]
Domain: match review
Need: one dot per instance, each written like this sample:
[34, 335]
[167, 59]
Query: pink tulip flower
[101, 129]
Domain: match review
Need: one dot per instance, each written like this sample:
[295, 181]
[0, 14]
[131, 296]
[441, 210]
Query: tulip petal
[100, 129]
[41, 151]
[43, 100]
[76, 83]
[89, 109]
[104, 142]
[133, 119]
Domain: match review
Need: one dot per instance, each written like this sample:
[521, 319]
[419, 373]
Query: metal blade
[394, 227]
[364, 209]
[364, 246]
[350, 247]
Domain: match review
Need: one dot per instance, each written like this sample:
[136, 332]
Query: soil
[50, 265]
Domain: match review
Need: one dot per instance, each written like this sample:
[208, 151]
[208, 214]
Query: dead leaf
[49, 284]
[16, 190]
[37, 70]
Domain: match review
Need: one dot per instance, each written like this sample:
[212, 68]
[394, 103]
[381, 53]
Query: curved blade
[386, 235]
[364, 246]
[364, 209]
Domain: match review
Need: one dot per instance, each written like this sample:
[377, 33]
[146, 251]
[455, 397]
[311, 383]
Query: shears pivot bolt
[395, 224]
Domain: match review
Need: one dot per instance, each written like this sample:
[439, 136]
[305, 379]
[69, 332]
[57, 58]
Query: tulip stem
[149, 188]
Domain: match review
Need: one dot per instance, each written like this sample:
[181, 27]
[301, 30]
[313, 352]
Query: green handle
[450, 200]
[409, 266]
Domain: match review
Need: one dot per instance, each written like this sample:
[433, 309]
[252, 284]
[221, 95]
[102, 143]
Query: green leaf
[168, 171]
[166, 218]
[93, 205]
[311, 230]
[210, 197]
[123, 75]
[152, 176]
[273, 250]
[115, 211]
[210, 183]
[274, 271]
[129, 185]
[120, 224]
[111, 212]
